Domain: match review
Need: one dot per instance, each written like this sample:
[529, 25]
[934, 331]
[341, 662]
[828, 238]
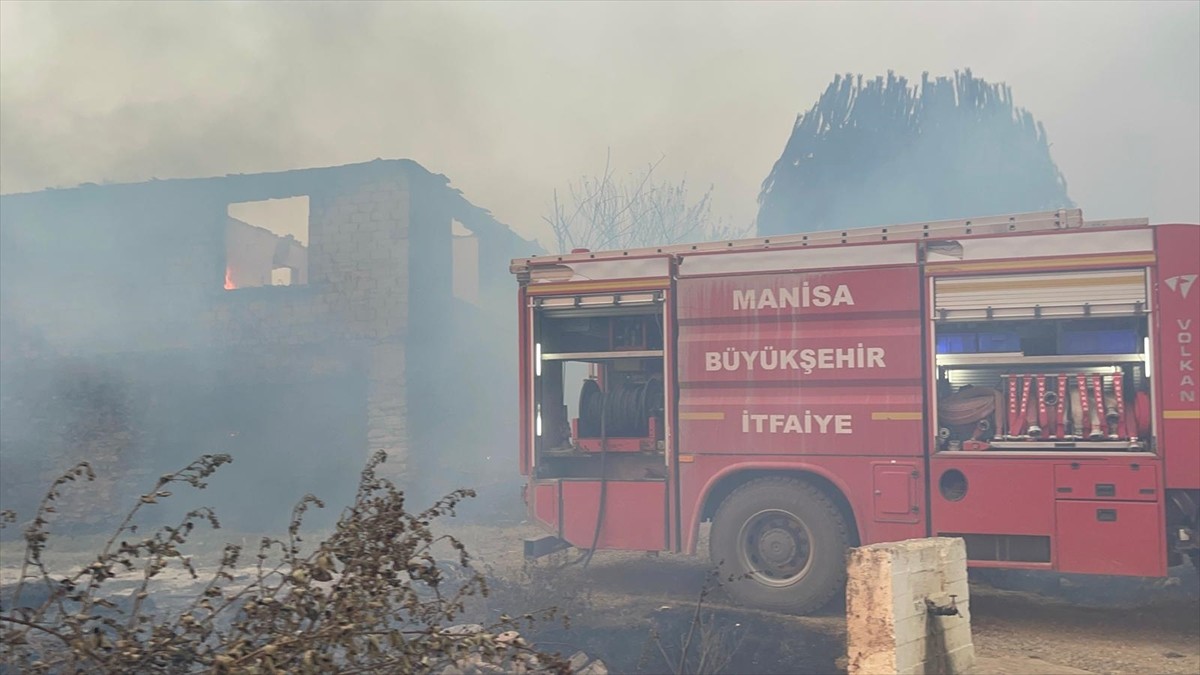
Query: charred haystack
[881, 151]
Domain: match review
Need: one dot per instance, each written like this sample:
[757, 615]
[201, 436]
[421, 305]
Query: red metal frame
[525, 382]
[635, 517]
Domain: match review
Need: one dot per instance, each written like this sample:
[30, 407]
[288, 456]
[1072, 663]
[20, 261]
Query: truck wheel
[783, 542]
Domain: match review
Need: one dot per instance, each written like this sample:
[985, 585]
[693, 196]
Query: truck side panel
[817, 372]
[878, 516]
[801, 363]
[1178, 293]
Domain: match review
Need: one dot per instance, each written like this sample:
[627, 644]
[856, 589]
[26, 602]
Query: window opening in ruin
[266, 243]
[464, 262]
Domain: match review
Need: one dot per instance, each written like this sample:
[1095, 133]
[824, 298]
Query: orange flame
[229, 285]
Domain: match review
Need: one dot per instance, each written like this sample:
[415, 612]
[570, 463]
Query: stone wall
[890, 590]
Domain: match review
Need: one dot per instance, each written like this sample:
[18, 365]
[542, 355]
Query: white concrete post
[898, 596]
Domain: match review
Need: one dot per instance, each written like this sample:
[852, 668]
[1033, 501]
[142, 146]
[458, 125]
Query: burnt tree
[881, 151]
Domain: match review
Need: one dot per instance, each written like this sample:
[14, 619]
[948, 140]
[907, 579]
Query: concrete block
[889, 627]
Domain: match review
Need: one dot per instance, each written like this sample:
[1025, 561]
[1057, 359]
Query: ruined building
[296, 320]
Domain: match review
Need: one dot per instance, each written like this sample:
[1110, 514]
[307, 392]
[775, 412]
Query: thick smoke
[513, 99]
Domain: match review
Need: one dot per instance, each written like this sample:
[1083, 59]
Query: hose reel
[626, 409]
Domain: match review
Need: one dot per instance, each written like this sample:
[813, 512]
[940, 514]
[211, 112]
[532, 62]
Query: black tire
[784, 543]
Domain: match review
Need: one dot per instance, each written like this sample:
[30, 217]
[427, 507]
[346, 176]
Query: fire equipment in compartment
[628, 415]
[1095, 411]
[1071, 381]
[619, 403]
[1081, 410]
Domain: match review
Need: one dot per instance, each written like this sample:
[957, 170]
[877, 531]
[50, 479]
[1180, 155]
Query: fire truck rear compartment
[600, 378]
[599, 461]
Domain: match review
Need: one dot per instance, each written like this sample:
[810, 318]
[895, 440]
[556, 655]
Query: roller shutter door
[1057, 295]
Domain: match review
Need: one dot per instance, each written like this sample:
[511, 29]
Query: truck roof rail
[1039, 221]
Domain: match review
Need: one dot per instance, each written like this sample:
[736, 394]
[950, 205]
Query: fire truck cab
[1027, 383]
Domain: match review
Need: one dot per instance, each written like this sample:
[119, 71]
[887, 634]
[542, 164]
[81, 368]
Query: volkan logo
[1182, 283]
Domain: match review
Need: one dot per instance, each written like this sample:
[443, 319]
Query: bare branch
[640, 210]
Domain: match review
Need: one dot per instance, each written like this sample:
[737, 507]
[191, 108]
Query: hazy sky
[513, 100]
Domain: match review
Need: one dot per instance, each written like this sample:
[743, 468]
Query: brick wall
[889, 628]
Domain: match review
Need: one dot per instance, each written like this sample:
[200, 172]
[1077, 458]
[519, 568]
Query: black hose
[631, 405]
[587, 557]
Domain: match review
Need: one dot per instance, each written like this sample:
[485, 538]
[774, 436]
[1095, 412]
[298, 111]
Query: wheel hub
[777, 546]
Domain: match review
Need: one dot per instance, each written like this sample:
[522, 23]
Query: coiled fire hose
[969, 410]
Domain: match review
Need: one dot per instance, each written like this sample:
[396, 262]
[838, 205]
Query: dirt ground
[635, 610]
[1022, 624]
[1160, 637]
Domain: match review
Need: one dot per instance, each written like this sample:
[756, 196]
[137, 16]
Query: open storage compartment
[1043, 362]
[599, 388]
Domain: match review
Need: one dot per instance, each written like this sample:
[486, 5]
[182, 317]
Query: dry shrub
[371, 597]
[706, 647]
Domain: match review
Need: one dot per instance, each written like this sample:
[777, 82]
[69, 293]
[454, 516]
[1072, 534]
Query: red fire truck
[1027, 383]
